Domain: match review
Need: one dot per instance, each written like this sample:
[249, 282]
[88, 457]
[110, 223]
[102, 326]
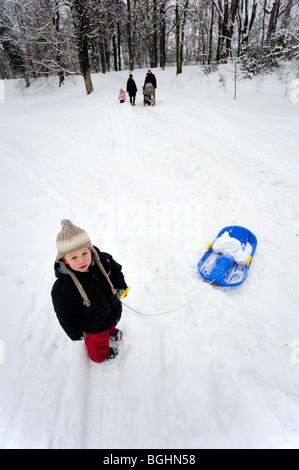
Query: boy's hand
[122, 293]
[82, 338]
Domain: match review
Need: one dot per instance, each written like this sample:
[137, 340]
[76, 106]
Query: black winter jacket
[131, 87]
[105, 309]
[151, 78]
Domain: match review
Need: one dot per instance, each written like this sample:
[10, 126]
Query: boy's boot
[117, 335]
[113, 352]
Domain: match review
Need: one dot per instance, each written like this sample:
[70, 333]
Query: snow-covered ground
[152, 186]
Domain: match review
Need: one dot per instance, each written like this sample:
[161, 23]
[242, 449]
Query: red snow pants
[98, 345]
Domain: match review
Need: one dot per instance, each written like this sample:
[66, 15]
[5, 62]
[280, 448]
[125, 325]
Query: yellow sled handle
[209, 246]
[249, 261]
[125, 292]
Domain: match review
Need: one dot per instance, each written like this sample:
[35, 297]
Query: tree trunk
[177, 37]
[102, 55]
[264, 21]
[273, 19]
[56, 21]
[180, 20]
[210, 53]
[155, 36]
[162, 36]
[118, 45]
[114, 52]
[287, 13]
[84, 66]
[88, 82]
[82, 26]
[130, 47]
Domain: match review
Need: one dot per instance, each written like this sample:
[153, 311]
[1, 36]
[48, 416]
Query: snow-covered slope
[152, 186]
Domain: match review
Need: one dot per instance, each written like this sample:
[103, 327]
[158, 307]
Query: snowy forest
[40, 38]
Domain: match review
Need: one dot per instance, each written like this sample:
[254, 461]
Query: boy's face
[79, 260]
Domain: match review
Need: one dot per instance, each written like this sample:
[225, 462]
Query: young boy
[86, 294]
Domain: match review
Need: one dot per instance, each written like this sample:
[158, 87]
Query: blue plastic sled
[222, 268]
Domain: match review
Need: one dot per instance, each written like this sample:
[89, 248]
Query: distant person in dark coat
[131, 89]
[150, 78]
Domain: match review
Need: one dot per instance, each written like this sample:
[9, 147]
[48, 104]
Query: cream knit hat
[72, 238]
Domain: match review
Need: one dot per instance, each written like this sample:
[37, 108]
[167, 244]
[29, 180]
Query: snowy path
[152, 186]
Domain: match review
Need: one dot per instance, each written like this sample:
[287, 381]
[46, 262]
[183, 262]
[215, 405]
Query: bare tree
[181, 11]
[129, 36]
[82, 29]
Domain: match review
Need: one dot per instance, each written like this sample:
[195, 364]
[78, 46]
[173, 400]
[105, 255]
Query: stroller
[149, 94]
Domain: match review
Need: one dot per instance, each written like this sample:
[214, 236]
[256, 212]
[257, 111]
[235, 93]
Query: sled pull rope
[170, 311]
